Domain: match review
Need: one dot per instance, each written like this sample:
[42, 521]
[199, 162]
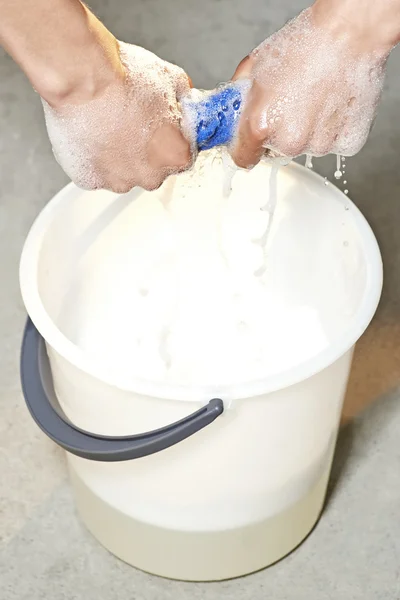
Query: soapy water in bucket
[172, 290]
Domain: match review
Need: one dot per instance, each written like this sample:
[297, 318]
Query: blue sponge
[216, 116]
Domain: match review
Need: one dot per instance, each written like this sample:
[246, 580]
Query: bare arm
[317, 82]
[61, 46]
[375, 25]
[111, 109]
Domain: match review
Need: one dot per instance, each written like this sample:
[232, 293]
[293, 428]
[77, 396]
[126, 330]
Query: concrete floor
[354, 553]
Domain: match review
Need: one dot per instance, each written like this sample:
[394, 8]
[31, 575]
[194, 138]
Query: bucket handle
[41, 400]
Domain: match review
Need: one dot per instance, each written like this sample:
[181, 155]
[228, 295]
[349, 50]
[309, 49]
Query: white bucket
[248, 488]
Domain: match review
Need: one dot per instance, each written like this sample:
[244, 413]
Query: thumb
[244, 68]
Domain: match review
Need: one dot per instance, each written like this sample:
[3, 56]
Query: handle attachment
[41, 400]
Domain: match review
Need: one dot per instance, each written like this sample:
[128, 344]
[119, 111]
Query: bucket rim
[65, 348]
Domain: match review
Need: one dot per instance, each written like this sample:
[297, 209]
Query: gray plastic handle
[41, 400]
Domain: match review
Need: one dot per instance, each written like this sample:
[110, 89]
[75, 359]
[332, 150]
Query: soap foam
[320, 101]
[109, 139]
[198, 313]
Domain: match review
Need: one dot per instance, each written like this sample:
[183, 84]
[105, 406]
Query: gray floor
[354, 553]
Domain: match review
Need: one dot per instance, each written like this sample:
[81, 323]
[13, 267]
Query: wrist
[84, 63]
[371, 26]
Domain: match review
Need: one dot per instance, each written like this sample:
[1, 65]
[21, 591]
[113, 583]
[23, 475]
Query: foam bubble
[116, 141]
[329, 92]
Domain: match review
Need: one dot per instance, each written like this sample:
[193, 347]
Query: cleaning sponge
[212, 116]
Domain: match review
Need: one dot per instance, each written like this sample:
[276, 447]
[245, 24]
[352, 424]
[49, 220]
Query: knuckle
[185, 161]
[235, 154]
[176, 71]
[243, 158]
[350, 144]
[240, 161]
[181, 80]
[245, 67]
[87, 184]
[120, 187]
[257, 129]
[152, 186]
[182, 158]
[183, 155]
[292, 147]
[321, 148]
[292, 143]
[323, 144]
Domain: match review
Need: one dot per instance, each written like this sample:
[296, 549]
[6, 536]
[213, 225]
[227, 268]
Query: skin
[359, 32]
[130, 134]
[74, 63]
[141, 140]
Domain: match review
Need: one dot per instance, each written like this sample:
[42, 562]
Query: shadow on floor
[341, 459]
[357, 438]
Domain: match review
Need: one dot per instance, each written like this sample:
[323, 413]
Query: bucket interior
[175, 285]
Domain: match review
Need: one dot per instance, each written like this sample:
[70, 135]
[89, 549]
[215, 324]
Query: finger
[322, 145]
[182, 85]
[297, 124]
[353, 133]
[349, 142]
[326, 135]
[291, 140]
[244, 68]
[168, 148]
[254, 129]
[180, 80]
[119, 187]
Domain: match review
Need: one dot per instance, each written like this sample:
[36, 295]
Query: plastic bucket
[194, 482]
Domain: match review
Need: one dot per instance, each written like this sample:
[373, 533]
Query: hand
[129, 134]
[316, 84]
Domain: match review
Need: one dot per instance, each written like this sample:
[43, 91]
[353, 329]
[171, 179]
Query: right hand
[316, 84]
[129, 134]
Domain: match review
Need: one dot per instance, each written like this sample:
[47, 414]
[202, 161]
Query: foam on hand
[127, 136]
[321, 92]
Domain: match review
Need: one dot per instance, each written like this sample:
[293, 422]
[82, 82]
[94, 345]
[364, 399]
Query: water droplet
[309, 163]
[338, 172]
[346, 192]
[345, 244]
[326, 182]
[236, 105]
[345, 182]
